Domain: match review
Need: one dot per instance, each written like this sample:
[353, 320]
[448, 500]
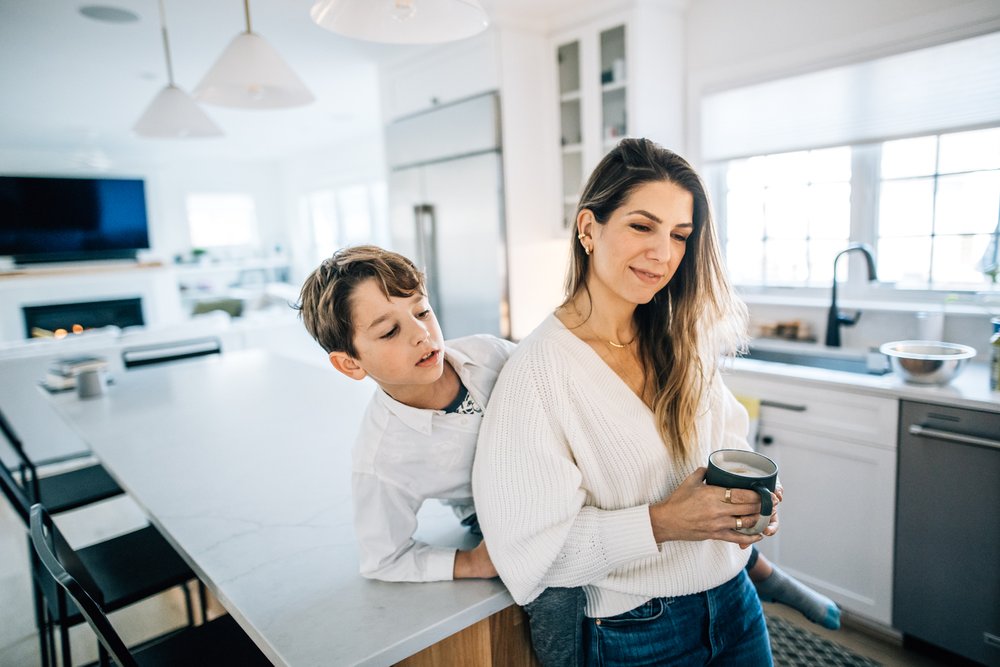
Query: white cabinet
[424, 79]
[600, 63]
[836, 452]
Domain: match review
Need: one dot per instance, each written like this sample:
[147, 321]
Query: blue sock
[786, 590]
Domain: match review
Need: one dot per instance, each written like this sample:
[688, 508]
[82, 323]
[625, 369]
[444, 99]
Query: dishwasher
[946, 588]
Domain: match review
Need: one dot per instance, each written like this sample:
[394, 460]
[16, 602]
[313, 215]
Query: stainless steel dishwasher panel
[947, 563]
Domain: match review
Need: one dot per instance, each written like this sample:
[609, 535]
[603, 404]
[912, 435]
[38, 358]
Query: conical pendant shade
[173, 114]
[402, 21]
[251, 75]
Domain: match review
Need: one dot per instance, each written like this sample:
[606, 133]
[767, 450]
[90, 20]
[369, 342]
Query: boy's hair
[325, 300]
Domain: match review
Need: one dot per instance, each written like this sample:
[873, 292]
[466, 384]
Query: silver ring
[739, 523]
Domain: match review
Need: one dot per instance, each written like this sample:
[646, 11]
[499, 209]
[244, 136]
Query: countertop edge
[969, 390]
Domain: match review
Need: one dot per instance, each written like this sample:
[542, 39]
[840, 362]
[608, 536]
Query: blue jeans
[721, 626]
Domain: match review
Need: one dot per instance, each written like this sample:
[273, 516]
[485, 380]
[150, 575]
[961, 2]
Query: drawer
[858, 417]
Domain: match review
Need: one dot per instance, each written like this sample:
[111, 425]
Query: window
[900, 169]
[939, 207]
[350, 215]
[221, 219]
[788, 215]
[931, 211]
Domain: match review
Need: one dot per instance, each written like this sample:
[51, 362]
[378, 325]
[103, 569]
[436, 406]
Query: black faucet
[835, 317]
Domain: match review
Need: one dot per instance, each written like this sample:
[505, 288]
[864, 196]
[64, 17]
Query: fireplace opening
[58, 320]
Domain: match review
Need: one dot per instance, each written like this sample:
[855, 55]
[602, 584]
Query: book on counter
[63, 371]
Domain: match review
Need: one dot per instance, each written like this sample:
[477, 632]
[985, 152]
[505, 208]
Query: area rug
[794, 647]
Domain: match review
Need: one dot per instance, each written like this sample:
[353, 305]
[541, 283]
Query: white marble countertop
[970, 389]
[243, 461]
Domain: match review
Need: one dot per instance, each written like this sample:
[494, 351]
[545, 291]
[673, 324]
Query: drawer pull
[783, 406]
[961, 438]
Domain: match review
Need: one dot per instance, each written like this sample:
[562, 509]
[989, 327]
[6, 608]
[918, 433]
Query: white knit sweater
[569, 460]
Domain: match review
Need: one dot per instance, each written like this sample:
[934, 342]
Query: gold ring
[729, 496]
[739, 523]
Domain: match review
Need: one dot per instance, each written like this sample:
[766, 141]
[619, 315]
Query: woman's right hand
[696, 511]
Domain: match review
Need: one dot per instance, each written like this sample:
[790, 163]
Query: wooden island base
[502, 639]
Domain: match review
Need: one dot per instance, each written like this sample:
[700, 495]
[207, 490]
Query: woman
[587, 469]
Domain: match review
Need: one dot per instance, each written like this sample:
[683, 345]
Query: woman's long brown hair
[692, 322]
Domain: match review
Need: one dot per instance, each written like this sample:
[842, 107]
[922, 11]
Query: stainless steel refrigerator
[446, 210]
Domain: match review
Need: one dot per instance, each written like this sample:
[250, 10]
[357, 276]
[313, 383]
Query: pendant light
[173, 114]
[402, 21]
[251, 75]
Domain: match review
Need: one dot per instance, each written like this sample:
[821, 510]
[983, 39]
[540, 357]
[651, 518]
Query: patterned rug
[794, 647]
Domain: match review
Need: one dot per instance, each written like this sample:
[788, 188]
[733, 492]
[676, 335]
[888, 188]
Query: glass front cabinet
[593, 104]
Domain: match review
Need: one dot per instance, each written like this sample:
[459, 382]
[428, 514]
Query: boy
[368, 309]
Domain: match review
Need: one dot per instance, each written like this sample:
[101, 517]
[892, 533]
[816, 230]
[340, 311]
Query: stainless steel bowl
[927, 361]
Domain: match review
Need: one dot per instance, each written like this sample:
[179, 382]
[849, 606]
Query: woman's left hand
[772, 526]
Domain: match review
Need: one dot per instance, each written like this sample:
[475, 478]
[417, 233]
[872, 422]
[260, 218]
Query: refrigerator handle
[425, 219]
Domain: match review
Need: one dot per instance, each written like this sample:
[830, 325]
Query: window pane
[904, 260]
[821, 254]
[355, 218]
[956, 258]
[787, 168]
[909, 157]
[323, 217]
[786, 209]
[968, 151]
[743, 259]
[747, 173]
[830, 165]
[216, 220]
[967, 203]
[906, 208]
[830, 211]
[786, 262]
[745, 215]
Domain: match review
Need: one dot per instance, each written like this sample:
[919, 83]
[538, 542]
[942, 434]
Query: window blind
[931, 90]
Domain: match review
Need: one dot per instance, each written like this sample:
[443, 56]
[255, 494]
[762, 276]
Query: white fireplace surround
[155, 285]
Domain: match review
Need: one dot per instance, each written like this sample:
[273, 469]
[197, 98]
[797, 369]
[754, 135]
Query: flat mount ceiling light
[402, 21]
[173, 114]
[251, 75]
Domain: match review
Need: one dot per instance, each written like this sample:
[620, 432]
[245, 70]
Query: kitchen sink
[871, 364]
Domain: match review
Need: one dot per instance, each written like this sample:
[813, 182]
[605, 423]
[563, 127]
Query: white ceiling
[71, 85]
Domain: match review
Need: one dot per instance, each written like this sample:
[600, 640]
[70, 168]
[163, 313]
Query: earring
[582, 236]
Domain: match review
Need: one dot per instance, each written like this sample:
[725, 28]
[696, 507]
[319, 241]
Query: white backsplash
[879, 326]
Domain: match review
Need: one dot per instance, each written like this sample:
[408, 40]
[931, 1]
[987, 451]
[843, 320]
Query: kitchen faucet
[835, 317]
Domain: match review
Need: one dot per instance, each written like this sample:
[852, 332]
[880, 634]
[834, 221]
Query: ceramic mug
[742, 469]
[90, 383]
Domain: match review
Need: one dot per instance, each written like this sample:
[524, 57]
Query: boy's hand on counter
[475, 564]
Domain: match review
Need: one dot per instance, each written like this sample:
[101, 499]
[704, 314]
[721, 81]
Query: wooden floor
[884, 649]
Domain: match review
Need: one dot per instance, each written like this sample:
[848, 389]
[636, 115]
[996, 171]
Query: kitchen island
[243, 462]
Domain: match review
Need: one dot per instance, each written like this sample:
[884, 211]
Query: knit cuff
[628, 534]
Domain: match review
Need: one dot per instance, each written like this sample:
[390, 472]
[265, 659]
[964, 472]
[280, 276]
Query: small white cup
[91, 383]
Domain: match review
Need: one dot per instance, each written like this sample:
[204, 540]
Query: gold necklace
[620, 346]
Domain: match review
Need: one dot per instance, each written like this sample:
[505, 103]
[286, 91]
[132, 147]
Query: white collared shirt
[405, 455]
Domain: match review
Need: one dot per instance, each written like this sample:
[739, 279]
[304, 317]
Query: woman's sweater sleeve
[529, 496]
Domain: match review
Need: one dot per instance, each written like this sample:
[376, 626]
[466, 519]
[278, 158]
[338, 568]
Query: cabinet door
[836, 530]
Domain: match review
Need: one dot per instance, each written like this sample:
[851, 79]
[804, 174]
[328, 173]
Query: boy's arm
[385, 518]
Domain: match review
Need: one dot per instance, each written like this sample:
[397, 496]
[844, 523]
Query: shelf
[572, 96]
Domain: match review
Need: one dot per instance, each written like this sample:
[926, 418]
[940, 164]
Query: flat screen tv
[47, 219]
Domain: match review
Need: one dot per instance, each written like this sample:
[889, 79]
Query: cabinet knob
[767, 440]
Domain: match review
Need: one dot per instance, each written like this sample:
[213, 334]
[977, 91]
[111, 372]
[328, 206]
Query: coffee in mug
[743, 469]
